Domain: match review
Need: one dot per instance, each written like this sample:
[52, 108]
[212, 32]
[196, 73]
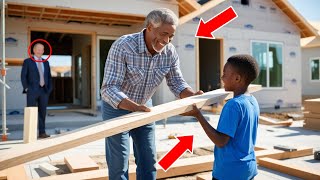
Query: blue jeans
[118, 148]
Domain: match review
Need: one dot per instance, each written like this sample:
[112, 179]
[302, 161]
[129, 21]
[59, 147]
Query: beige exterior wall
[309, 87]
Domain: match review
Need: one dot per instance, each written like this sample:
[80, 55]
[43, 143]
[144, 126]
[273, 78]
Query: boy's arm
[219, 139]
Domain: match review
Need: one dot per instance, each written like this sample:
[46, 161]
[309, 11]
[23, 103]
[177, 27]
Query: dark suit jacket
[30, 76]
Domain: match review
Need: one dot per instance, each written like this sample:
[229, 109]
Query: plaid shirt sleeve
[174, 77]
[114, 73]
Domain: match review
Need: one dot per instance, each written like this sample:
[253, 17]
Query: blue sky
[309, 9]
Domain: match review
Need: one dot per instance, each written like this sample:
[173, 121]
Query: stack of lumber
[312, 116]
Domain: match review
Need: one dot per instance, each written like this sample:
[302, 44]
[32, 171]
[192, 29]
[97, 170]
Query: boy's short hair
[246, 66]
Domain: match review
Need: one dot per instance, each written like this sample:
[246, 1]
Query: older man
[37, 84]
[135, 66]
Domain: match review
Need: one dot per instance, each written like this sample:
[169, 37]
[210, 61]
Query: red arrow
[186, 143]
[205, 29]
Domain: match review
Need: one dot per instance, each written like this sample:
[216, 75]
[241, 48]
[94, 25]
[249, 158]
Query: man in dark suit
[37, 83]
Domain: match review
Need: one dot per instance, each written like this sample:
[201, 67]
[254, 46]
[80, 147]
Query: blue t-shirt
[239, 120]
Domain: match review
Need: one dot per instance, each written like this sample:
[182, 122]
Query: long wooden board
[269, 121]
[290, 169]
[278, 154]
[28, 152]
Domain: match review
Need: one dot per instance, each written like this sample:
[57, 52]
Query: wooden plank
[289, 168]
[80, 163]
[17, 173]
[204, 176]
[13, 61]
[278, 154]
[30, 124]
[207, 6]
[251, 88]
[3, 175]
[269, 121]
[180, 167]
[312, 105]
[48, 168]
[312, 124]
[32, 151]
[312, 115]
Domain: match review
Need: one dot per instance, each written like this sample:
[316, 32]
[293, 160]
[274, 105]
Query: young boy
[235, 136]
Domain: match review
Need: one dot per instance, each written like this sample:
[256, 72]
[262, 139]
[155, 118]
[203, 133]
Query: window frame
[268, 73]
[310, 72]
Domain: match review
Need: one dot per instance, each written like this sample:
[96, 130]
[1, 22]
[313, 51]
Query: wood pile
[312, 115]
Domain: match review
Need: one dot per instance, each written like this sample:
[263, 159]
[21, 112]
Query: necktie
[41, 74]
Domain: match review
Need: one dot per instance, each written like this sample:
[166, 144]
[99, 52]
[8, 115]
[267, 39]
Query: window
[269, 57]
[315, 69]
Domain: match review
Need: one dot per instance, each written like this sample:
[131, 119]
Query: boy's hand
[194, 112]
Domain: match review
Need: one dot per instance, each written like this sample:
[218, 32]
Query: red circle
[29, 50]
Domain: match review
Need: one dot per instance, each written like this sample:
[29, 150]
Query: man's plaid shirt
[131, 71]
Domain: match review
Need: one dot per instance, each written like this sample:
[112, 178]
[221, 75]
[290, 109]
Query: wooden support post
[30, 124]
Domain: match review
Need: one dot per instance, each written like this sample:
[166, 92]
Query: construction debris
[285, 148]
[48, 168]
[269, 121]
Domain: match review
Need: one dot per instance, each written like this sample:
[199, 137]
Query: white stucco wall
[268, 24]
[309, 87]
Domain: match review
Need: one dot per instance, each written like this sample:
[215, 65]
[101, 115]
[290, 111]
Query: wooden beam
[312, 105]
[278, 154]
[312, 115]
[29, 152]
[80, 163]
[207, 176]
[13, 61]
[14, 173]
[252, 88]
[269, 121]
[30, 124]
[289, 168]
[201, 10]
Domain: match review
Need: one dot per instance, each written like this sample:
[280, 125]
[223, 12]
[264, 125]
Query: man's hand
[142, 108]
[198, 93]
[129, 105]
[189, 92]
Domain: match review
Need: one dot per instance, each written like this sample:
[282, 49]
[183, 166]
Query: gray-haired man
[135, 66]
